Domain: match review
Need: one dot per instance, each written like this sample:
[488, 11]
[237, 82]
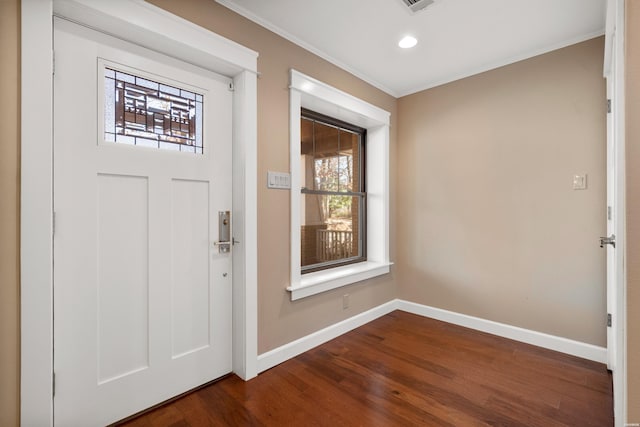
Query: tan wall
[9, 187]
[491, 226]
[280, 320]
[632, 59]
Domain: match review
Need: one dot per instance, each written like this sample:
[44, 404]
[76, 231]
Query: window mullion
[305, 190]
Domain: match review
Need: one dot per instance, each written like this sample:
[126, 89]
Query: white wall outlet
[345, 301]
[580, 181]
[279, 180]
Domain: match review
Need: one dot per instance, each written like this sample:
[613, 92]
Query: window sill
[326, 280]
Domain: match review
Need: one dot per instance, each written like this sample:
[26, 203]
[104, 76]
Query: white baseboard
[551, 342]
[576, 348]
[278, 355]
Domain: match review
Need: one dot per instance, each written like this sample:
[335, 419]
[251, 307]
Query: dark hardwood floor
[406, 370]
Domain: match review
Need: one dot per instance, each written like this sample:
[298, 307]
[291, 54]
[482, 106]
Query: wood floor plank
[406, 370]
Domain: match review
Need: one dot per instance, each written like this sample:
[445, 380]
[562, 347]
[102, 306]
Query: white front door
[142, 295]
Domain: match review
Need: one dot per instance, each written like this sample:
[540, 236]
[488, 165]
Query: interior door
[614, 224]
[142, 168]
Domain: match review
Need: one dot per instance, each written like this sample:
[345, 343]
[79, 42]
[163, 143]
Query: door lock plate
[224, 232]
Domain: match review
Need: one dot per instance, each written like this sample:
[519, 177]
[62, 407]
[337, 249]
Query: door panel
[142, 299]
[190, 308]
[122, 275]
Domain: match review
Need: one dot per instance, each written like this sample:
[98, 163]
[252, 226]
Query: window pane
[325, 171]
[331, 164]
[330, 228]
[349, 164]
[142, 112]
[330, 158]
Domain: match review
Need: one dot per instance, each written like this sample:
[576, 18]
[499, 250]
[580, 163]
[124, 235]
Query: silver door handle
[608, 241]
[223, 247]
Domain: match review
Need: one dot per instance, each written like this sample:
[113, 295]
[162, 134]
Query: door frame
[151, 27]
[614, 73]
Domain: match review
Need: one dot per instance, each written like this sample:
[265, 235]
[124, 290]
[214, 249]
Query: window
[143, 112]
[345, 262]
[332, 208]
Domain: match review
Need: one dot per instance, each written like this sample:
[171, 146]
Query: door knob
[608, 241]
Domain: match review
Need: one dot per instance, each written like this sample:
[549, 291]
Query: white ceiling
[456, 38]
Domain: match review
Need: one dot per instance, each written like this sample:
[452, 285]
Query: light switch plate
[279, 180]
[580, 181]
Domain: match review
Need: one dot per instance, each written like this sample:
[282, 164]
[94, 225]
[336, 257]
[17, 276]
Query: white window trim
[307, 92]
[156, 29]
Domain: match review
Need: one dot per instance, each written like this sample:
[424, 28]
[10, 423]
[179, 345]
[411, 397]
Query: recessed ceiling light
[407, 42]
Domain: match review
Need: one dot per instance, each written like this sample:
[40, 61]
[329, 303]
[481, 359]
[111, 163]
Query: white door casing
[141, 295]
[152, 27]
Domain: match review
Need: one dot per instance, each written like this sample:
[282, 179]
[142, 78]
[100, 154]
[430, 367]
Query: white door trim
[156, 29]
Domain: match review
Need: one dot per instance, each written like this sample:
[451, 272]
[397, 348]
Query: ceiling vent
[417, 5]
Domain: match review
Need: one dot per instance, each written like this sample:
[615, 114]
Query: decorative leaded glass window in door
[142, 112]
